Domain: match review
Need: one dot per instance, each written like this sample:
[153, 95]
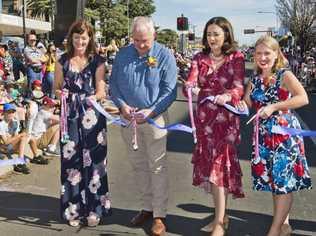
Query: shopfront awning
[13, 25]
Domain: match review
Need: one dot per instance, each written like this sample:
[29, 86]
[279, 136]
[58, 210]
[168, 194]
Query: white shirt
[41, 123]
[5, 129]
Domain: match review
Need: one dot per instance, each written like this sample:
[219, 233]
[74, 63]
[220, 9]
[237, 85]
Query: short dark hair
[31, 33]
[79, 27]
[230, 45]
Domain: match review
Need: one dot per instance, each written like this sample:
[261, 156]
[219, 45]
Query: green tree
[298, 16]
[167, 37]
[138, 7]
[114, 23]
[41, 8]
[114, 16]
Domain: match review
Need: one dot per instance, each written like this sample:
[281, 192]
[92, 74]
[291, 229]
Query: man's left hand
[142, 115]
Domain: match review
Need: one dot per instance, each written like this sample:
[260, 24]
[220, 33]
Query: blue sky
[241, 13]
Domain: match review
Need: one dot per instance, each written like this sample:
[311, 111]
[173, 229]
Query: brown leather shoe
[158, 228]
[141, 217]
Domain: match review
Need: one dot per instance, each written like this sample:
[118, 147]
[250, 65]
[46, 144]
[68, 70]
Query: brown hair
[51, 57]
[273, 44]
[79, 27]
[230, 45]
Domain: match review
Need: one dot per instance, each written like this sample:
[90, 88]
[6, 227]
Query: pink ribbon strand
[63, 120]
[134, 127]
[190, 103]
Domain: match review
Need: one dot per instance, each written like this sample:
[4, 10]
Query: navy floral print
[281, 166]
[84, 184]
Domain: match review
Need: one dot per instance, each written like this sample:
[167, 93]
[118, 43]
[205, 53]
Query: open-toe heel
[209, 227]
[74, 223]
[93, 221]
[286, 230]
[218, 230]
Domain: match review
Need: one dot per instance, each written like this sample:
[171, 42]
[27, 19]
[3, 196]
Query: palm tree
[43, 9]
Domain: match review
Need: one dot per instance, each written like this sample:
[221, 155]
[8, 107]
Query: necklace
[216, 58]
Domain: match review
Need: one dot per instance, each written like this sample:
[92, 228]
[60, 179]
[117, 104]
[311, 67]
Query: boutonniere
[272, 81]
[152, 61]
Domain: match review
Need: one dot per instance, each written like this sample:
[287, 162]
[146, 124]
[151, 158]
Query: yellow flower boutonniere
[152, 61]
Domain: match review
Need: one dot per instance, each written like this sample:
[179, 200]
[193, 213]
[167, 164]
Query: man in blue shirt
[143, 80]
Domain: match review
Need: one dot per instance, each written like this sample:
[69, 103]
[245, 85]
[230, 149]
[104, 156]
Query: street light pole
[276, 17]
[23, 20]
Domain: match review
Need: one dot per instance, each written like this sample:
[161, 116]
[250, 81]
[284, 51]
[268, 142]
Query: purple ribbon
[10, 162]
[176, 126]
[118, 121]
[227, 106]
[291, 131]
[112, 119]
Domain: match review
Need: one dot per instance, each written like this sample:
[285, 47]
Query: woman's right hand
[58, 93]
[190, 84]
[241, 105]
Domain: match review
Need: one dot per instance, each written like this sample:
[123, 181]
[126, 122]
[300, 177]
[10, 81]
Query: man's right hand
[126, 111]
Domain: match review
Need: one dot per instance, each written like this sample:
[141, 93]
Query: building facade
[11, 19]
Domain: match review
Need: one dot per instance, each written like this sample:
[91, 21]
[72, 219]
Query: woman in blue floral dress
[280, 165]
[79, 78]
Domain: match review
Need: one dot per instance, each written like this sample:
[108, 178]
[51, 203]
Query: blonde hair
[273, 44]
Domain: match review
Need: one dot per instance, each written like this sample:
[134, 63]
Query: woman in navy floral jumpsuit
[79, 75]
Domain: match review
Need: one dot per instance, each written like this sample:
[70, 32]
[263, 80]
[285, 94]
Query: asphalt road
[29, 205]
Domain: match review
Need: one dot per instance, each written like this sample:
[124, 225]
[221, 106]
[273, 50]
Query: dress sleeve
[99, 60]
[193, 73]
[237, 89]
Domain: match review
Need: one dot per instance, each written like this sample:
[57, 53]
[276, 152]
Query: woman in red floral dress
[218, 71]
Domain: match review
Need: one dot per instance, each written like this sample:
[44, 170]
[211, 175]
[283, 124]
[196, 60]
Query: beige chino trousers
[150, 165]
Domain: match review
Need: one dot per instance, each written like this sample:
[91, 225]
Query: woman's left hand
[266, 112]
[92, 97]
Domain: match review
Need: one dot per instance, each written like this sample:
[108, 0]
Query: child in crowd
[46, 130]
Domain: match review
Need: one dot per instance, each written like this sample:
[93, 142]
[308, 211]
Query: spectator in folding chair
[11, 140]
[14, 141]
[46, 130]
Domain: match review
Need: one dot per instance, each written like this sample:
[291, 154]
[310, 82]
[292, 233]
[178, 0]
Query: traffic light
[182, 23]
[191, 36]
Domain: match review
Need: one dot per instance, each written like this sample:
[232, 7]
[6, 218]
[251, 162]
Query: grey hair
[143, 24]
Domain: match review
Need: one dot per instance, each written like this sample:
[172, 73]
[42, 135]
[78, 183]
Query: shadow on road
[29, 209]
[241, 223]
[43, 211]
[178, 141]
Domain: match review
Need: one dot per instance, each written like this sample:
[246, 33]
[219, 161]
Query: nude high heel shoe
[286, 230]
[209, 228]
[74, 223]
[218, 230]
